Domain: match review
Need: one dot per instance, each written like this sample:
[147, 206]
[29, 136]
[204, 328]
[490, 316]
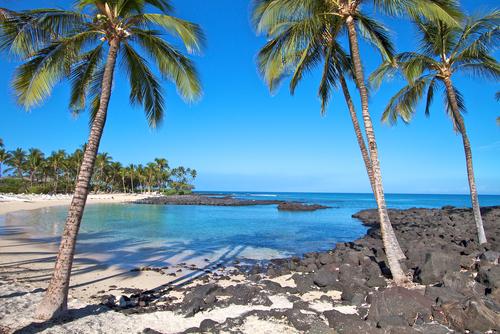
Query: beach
[452, 284]
[26, 267]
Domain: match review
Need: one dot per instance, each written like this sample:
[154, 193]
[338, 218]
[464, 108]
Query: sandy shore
[26, 267]
[28, 261]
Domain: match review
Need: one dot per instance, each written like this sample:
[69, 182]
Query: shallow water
[157, 235]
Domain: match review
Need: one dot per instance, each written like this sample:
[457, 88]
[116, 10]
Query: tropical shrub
[10, 189]
[41, 190]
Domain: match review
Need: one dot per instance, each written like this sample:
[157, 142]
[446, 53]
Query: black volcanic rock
[291, 206]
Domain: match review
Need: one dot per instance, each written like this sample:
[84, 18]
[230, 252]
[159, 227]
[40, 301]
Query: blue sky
[240, 138]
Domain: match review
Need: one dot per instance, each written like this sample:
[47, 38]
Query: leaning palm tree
[275, 17]
[443, 51]
[83, 47]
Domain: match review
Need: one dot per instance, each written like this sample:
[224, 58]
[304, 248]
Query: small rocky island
[200, 199]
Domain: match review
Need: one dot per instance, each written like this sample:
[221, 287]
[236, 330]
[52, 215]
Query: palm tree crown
[444, 50]
[84, 47]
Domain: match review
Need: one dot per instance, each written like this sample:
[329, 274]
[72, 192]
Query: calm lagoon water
[131, 235]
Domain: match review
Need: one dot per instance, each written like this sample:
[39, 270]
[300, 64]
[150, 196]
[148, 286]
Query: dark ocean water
[134, 235]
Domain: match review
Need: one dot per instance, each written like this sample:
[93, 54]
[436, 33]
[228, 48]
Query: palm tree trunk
[468, 158]
[54, 302]
[392, 248]
[22, 179]
[357, 129]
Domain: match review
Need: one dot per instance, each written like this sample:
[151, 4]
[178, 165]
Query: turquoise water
[158, 235]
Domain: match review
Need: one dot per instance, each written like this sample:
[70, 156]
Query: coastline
[453, 286]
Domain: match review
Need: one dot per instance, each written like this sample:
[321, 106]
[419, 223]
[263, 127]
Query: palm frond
[34, 80]
[83, 76]
[404, 104]
[173, 65]
[448, 108]
[190, 34]
[377, 34]
[145, 89]
[430, 94]
[446, 11]
[488, 69]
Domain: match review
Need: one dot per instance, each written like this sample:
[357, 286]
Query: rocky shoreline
[455, 283]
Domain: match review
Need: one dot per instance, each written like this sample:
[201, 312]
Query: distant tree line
[58, 172]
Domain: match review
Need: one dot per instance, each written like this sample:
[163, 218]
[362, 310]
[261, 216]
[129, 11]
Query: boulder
[435, 266]
[473, 313]
[399, 301]
[324, 277]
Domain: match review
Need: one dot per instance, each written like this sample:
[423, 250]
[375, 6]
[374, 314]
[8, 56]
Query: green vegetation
[58, 173]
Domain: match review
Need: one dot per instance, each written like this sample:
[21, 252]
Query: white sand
[26, 267]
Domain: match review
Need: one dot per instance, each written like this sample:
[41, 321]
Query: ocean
[132, 236]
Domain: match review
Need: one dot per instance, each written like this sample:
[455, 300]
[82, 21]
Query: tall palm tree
[102, 160]
[1, 143]
[16, 160]
[443, 51]
[277, 18]
[77, 158]
[162, 165]
[115, 170]
[151, 170]
[3, 156]
[34, 162]
[131, 173]
[123, 173]
[83, 46]
[56, 160]
[140, 175]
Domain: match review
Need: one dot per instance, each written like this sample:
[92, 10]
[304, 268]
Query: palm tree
[3, 156]
[56, 160]
[140, 175]
[83, 46]
[77, 158]
[115, 170]
[34, 162]
[16, 160]
[1, 143]
[312, 27]
[131, 173]
[123, 173]
[151, 169]
[445, 50]
[102, 160]
[162, 164]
